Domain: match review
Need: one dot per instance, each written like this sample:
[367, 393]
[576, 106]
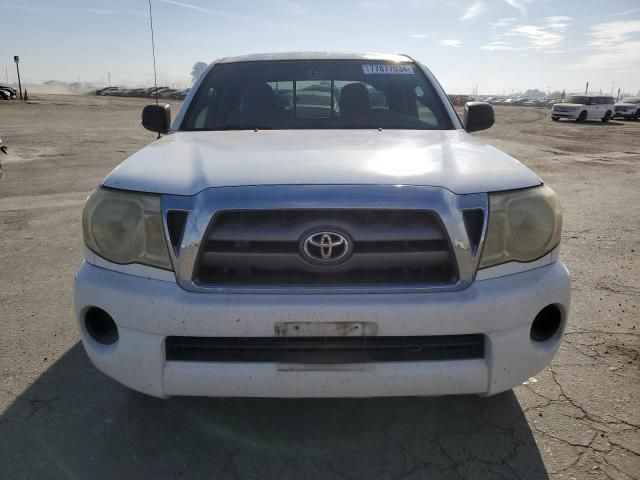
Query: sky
[496, 46]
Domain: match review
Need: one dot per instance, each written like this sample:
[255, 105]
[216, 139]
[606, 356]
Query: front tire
[582, 117]
[636, 116]
[555, 119]
[607, 117]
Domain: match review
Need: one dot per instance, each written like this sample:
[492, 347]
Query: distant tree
[197, 69]
[535, 93]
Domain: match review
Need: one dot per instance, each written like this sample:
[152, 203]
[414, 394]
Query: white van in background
[584, 107]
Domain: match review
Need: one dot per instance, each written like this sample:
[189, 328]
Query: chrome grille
[262, 248]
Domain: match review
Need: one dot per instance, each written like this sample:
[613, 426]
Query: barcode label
[387, 69]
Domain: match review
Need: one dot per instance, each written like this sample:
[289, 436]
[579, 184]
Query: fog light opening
[101, 326]
[546, 323]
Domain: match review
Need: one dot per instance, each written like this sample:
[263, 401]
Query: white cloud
[626, 12]
[419, 35]
[499, 47]
[614, 45]
[518, 5]
[622, 56]
[536, 37]
[503, 22]
[187, 5]
[472, 11]
[451, 43]
[613, 33]
[547, 37]
[559, 22]
[558, 18]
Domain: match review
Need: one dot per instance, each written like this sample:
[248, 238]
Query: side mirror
[478, 116]
[157, 118]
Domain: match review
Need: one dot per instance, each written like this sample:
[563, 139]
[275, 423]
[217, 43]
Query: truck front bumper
[146, 311]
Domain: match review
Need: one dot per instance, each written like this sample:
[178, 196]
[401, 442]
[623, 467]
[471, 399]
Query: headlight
[125, 227]
[523, 226]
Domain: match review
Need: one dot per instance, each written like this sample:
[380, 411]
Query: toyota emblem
[325, 247]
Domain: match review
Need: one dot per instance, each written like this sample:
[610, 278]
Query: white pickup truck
[321, 225]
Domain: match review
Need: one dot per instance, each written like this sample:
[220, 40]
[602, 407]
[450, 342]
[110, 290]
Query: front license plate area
[326, 329]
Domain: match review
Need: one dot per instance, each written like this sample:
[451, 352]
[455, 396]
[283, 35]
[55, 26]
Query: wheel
[636, 116]
[555, 119]
[582, 117]
[607, 117]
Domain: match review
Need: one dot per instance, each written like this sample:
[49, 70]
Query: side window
[201, 118]
[425, 113]
[204, 107]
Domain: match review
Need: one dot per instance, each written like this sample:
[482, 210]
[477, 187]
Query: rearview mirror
[478, 116]
[156, 118]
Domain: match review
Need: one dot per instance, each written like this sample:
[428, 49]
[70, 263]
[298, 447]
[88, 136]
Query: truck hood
[185, 163]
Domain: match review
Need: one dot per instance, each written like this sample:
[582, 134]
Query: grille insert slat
[286, 231]
[324, 350]
[262, 248]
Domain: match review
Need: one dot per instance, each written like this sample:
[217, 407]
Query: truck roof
[256, 57]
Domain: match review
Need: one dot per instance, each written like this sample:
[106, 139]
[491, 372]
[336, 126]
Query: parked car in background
[459, 100]
[181, 94]
[141, 92]
[584, 107]
[7, 93]
[628, 108]
[107, 91]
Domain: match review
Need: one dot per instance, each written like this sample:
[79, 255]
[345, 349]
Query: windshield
[318, 94]
[631, 100]
[577, 99]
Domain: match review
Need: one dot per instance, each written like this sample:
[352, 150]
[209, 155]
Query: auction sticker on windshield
[387, 69]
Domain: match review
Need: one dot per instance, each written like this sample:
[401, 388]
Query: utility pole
[6, 74]
[16, 59]
[586, 89]
[109, 78]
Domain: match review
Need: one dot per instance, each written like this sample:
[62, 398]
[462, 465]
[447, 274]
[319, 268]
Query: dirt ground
[61, 418]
